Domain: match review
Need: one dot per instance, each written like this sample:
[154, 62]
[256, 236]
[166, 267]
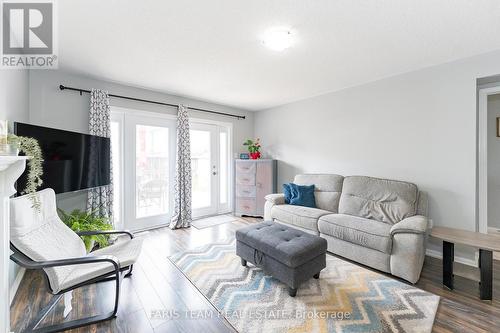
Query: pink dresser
[254, 179]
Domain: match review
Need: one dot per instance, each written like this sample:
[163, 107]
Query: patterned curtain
[100, 199]
[182, 197]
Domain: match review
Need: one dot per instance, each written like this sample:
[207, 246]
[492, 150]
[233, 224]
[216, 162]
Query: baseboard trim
[16, 284]
[493, 230]
[462, 260]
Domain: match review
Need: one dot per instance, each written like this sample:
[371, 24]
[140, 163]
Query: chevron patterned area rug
[346, 298]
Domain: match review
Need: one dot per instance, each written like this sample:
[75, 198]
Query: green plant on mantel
[79, 220]
[30, 147]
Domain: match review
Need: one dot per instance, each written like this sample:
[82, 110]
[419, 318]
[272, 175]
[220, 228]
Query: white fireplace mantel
[11, 167]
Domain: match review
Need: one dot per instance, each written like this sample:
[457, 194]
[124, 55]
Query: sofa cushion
[287, 192]
[357, 230]
[327, 189]
[384, 200]
[303, 195]
[304, 217]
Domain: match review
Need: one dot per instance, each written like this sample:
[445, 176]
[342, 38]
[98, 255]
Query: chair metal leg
[73, 323]
[129, 272]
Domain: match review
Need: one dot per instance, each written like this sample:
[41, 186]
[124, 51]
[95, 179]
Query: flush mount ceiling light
[277, 39]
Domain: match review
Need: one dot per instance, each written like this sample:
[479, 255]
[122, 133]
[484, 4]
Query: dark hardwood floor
[157, 291]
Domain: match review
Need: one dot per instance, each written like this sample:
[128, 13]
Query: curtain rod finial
[61, 87]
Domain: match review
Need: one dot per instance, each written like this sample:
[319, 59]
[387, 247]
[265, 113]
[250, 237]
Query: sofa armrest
[276, 198]
[412, 225]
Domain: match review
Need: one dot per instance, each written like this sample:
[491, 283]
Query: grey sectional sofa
[377, 222]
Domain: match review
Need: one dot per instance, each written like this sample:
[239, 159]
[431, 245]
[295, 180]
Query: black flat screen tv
[71, 161]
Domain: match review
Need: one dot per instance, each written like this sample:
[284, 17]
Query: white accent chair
[40, 240]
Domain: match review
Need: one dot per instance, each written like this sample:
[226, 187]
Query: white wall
[68, 110]
[493, 162]
[14, 106]
[419, 127]
[14, 101]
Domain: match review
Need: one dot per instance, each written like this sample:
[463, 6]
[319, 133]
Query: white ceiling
[211, 49]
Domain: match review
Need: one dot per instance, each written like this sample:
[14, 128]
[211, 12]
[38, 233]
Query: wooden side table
[484, 242]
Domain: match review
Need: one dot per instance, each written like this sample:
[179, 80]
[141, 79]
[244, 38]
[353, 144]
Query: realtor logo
[28, 34]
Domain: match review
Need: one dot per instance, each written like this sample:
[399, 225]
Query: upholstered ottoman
[290, 255]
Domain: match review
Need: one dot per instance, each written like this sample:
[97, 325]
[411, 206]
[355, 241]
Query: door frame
[483, 156]
[120, 111]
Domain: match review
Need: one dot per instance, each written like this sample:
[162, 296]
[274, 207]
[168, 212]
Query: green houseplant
[30, 147]
[253, 148]
[79, 220]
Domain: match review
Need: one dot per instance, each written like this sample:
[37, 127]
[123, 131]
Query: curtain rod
[61, 87]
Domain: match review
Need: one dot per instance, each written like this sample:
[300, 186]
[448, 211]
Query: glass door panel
[149, 163]
[204, 169]
[151, 171]
[201, 168]
[223, 169]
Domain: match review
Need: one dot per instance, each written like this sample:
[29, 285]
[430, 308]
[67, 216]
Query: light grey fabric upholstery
[423, 204]
[412, 225]
[357, 230]
[304, 217]
[383, 200]
[408, 253]
[382, 223]
[271, 200]
[43, 236]
[358, 253]
[327, 189]
[277, 198]
[311, 232]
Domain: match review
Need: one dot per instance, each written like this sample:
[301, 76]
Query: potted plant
[253, 148]
[79, 220]
[30, 147]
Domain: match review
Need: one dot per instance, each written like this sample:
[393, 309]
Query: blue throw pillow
[302, 195]
[287, 191]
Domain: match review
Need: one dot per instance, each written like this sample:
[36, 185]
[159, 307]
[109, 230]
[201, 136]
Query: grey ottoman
[290, 255]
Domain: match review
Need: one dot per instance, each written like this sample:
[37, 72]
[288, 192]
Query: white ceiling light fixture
[278, 39]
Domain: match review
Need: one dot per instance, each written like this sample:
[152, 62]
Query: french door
[210, 169]
[147, 165]
[144, 149]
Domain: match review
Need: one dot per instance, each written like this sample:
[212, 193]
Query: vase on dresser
[254, 179]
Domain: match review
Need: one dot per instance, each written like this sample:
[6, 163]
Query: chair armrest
[105, 232]
[412, 225]
[26, 262]
[276, 198]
